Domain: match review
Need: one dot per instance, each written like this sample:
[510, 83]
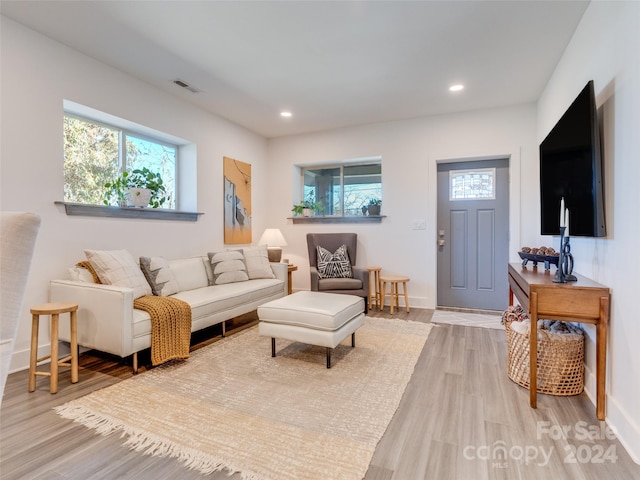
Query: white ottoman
[316, 318]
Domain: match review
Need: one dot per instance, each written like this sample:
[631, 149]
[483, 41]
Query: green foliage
[309, 202]
[375, 201]
[116, 190]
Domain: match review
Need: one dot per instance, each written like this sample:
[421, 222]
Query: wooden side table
[53, 309]
[374, 287]
[290, 270]
[393, 281]
[583, 301]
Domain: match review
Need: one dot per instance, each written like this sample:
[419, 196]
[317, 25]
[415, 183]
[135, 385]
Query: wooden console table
[583, 301]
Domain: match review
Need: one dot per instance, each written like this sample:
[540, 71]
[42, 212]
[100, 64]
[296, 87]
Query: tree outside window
[96, 153]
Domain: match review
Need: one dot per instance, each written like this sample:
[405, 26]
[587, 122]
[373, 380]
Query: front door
[473, 234]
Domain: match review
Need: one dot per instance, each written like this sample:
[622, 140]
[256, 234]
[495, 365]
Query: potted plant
[306, 207]
[374, 206]
[139, 188]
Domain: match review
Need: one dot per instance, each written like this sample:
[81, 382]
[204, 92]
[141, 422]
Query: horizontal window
[348, 189]
[96, 154]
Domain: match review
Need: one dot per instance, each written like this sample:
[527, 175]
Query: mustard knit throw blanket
[170, 327]
[170, 323]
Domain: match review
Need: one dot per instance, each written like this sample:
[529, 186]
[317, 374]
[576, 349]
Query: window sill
[127, 212]
[336, 219]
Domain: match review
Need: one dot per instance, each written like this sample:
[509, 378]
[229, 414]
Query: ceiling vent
[183, 84]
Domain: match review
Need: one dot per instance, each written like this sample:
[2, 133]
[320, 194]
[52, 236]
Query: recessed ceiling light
[456, 88]
[285, 114]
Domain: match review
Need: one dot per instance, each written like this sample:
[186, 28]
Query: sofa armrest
[105, 315]
[362, 274]
[281, 271]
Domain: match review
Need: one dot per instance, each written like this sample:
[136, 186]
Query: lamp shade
[273, 238]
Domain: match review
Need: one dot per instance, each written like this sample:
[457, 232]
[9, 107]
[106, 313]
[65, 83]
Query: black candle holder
[565, 262]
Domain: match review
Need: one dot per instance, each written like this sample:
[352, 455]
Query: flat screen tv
[571, 167]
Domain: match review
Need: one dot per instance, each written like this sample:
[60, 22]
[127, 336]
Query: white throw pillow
[118, 267]
[228, 267]
[257, 261]
[159, 275]
[78, 274]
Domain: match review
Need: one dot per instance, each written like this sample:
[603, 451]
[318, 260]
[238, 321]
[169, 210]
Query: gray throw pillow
[159, 275]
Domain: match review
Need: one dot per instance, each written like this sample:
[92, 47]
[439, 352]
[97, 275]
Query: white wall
[605, 48]
[410, 150]
[37, 74]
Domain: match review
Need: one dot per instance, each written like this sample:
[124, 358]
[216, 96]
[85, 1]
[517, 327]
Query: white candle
[562, 212]
[566, 222]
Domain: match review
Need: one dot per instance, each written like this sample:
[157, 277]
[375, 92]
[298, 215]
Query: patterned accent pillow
[334, 265]
[257, 261]
[118, 267]
[159, 275]
[228, 267]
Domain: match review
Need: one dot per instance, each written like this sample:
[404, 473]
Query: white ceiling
[332, 63]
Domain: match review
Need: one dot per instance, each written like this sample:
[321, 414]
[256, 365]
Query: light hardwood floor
[459, 413]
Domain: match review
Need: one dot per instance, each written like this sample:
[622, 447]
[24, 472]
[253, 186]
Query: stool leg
[376, 279]
[393, 295]
[406, 296]
[383, 294]
[33, 359]
[369, 293]
[74, 347]
[54, 353]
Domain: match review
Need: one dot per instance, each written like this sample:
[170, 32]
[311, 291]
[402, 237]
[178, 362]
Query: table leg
[601, 357]
[533, 352]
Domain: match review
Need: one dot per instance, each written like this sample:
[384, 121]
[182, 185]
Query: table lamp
[274, 239]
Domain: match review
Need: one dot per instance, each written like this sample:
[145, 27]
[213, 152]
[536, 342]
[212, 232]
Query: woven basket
[560, 361]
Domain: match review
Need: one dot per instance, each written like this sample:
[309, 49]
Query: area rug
[468, 319]
[232, 406]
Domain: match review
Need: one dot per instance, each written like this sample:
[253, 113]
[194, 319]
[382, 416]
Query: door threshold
[469, 310]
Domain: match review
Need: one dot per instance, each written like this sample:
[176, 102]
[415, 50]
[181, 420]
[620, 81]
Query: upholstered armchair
[358, 285]
[18, 232]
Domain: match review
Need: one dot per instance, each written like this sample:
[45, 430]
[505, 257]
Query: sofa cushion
[256, 260]
[228, 267]
[214, 300]
[118, 267]
[190, 273]
[339, 284]
[334, 265]
[159, 275]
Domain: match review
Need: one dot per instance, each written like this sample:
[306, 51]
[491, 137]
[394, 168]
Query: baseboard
[622, 424]
[20, 358]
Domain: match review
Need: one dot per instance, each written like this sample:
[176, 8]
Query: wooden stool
[394, 280]
[53, 309]
[374, 288]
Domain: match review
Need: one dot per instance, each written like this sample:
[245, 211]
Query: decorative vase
[306, 212]
[364, 210]
[374, 209]
[138, 197]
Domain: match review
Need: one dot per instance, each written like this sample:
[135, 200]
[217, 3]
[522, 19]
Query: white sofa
[108, 322]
